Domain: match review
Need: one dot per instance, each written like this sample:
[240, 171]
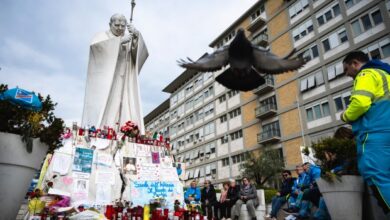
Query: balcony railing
[257, 23]
[266, 110]
[261, 40]
[268, 136]
[266, 87]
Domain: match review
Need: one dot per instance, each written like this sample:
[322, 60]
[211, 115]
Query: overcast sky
[44, 44]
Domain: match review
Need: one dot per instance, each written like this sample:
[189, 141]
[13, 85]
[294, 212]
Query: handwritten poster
[83, 160]
[80, 190]
[171, 191]
[103, 159]
[103, 194]
[148, 171]
[105, 177]
[61, 163]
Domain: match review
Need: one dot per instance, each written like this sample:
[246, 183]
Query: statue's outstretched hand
[132, 30]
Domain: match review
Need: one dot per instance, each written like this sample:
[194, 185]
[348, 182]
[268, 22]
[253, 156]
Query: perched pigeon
[247, 64]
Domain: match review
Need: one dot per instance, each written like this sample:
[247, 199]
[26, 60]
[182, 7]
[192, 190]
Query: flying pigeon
[248, 63]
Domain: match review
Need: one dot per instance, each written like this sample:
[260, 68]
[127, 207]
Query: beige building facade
[211, 128]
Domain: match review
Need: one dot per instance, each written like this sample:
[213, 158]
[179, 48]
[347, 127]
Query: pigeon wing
[267, 62]
[210, 62]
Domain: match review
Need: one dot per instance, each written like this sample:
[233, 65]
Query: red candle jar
[109, 211]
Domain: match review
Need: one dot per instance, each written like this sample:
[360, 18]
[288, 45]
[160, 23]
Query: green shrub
[30, 124]
[268, 194]
[335, 151]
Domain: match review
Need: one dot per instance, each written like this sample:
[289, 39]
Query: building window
[236, 112]
[350, 3]
[318, 111]
[257, 13]
[335, 40]
[225, 162]
[224, 139]
[190, 120]
[198, 82]
[302, 30]
[236, 135]
[208, 109]
[207, 76]
[223, 118]
[189, 104]
[312, 81]
[238, 158]
[269, 102]
[222, 98]
[198, 99]
[270, 130]
[208, 92]
[199, 115]
[378, 50]
[298, 8]
[366, 22]
[328, 14]
[335, 70]
[209, 128]
[232, 93]
[212, 147]
[341, 102]
[310, 53]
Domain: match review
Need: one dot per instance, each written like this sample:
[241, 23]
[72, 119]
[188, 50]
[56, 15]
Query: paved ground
[22, 211]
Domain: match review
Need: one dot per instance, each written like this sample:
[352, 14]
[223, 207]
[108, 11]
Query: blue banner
[83, 160]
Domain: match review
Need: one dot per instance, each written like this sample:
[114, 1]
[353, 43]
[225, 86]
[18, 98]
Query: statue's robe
[110, 71]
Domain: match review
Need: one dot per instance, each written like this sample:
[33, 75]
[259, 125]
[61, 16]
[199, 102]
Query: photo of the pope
[129, 165]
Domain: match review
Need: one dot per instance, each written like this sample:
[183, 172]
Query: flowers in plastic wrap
[130, 129]
[36, 205]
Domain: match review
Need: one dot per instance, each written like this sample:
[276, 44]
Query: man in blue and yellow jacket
[369, 114]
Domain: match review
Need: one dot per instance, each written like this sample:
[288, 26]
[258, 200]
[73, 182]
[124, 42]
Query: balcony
[266, 87]
[266, 110]
[269, 136]
[257, 23]
[261, 40]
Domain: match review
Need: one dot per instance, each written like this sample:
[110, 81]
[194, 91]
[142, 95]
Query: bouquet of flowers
[130, 129]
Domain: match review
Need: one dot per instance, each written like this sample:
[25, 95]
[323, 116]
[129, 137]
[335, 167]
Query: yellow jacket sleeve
[363, 93]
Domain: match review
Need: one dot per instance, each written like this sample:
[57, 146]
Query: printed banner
[83, 160]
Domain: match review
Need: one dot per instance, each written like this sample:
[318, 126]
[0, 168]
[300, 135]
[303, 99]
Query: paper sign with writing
[105, 177]
[61, 163]
[103, 194]
[147, 171]
[103, 159]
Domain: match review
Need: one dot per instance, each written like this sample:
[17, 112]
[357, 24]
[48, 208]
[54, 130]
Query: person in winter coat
[192, 194]
[248, 196]
[209, 200]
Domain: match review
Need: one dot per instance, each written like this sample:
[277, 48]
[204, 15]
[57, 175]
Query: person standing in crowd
[369, 114]
[209, 199]
[248, 196]
[192, 194]
[281, 196]
[223, 203]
